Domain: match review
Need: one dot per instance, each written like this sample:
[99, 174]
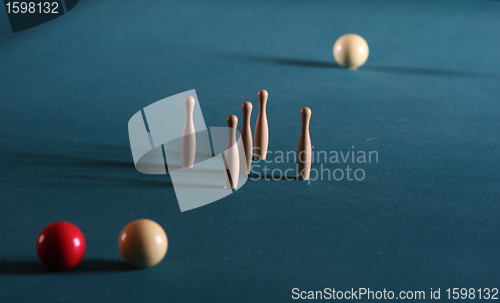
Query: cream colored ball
[143, 243]
[350, 51]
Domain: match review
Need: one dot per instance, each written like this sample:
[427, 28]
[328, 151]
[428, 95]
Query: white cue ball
[350, 51]
[143, 243]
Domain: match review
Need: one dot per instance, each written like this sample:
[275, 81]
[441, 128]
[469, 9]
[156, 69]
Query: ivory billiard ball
[350, 51]
[60, 245]
[143, 243]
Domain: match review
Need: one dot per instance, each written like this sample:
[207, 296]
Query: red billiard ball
[61, 245]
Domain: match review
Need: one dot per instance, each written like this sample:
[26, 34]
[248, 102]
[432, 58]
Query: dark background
[427, 100]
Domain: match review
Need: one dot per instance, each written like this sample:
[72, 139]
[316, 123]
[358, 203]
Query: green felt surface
[427, 101]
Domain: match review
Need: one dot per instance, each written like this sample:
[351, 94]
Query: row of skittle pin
[260, 145]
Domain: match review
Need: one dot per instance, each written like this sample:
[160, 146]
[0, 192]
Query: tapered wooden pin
[261, 128]
[232, 154]
[246, 134]
[188, 141]
[304, 150]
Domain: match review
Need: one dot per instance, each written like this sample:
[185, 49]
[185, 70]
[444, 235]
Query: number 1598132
[32, 7]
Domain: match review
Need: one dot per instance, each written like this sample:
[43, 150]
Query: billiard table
[423, 212]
